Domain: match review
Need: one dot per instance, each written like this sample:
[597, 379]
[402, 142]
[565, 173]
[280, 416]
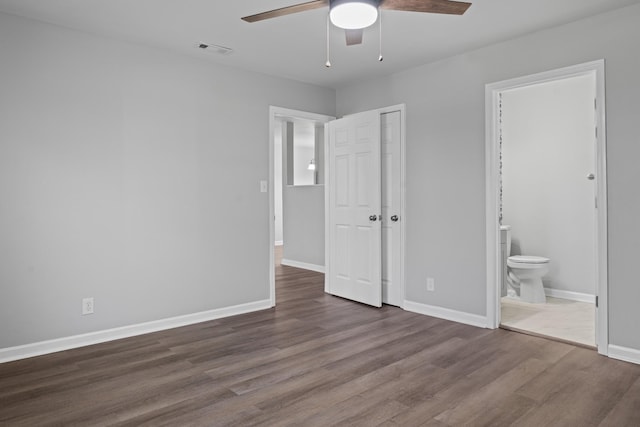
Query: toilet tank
[505, 238]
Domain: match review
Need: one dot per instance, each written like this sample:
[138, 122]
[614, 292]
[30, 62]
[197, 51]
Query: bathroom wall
[129, 174]
[548, 149]
[445, 104]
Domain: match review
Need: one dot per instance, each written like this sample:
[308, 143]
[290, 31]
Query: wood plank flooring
[318, 360]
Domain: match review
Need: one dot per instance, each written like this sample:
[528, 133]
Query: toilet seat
[527, 271]
[528, 259]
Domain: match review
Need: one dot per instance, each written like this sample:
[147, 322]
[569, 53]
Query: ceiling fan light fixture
[353, 14]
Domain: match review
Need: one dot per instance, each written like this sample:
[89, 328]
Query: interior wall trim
[571, 296]
[304, 265]
[66, 343]
[446, 313]
[625, 354]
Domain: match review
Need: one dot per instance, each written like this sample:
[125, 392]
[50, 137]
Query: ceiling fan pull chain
[328, 63]
[380, 33]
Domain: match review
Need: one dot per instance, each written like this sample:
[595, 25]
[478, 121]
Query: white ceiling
[293, 46]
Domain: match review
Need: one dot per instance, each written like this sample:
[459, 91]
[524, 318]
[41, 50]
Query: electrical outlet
[87, 305]
[431, 284]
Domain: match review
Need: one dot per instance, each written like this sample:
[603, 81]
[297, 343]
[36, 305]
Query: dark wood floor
[321, 360]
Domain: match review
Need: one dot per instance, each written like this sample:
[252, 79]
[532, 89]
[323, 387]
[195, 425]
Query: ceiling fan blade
[353, 36]
[431, 6]
[316, 4]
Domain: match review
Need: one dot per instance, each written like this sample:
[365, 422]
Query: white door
[353, 218]
[391, 206]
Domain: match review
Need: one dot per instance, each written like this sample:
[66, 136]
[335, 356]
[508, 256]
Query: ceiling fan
[356, 15]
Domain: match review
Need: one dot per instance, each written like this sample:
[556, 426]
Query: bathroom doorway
[546, 186]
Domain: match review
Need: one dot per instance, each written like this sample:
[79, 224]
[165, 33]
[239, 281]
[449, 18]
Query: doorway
[531, 178]
[296, 190]
[390, 164]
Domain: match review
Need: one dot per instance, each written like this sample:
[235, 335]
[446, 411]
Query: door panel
[342, 175]
[354, 185]
[391, 196]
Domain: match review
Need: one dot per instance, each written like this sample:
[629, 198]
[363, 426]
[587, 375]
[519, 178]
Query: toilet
[525, 272]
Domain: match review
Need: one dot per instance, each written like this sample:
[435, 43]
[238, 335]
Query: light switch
[263, 186]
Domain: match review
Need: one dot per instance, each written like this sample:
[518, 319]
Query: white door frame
[492, 170]
[403, 187]
[403, 218]
[273, 113]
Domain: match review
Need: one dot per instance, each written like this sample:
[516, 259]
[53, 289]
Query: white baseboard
[306, 266]
[51, 346]
[279, 242]
[572, 296]
[624, 353]
[445, 313]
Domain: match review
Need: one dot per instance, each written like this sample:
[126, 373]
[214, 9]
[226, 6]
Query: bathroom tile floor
[561, 319]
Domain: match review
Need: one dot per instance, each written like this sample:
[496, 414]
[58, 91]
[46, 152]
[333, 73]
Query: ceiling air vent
[214, 48]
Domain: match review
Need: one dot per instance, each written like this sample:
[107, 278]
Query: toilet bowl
[527, 271]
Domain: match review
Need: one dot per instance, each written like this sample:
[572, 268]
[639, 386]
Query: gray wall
[129, 174]
[548, 149]
[445, 157]
[304, 224]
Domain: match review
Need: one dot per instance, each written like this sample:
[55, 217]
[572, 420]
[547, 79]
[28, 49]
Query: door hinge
[596, 301]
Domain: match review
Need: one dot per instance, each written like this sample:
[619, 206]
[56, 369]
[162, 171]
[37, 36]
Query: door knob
[591, 177]
[394, 218]
[373, 217]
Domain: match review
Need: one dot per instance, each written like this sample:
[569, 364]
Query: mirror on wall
[303, 151]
